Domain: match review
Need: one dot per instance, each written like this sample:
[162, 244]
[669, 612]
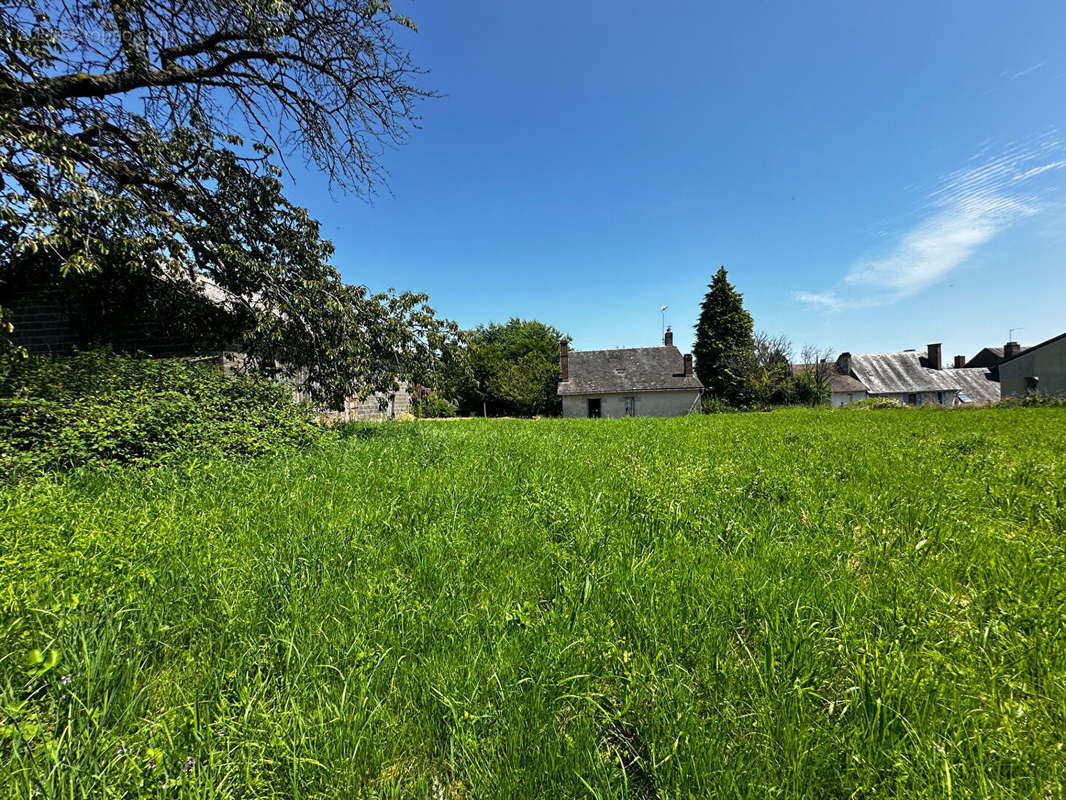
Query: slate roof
[838, 382]
[633, 369]
[897, 373]
[977, 383]
[986, 357]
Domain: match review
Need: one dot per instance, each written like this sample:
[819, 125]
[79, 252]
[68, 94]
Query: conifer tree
[724, 331]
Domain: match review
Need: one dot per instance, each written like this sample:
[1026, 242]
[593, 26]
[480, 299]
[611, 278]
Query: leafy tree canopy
[724, 338]
[763, 373]
[514, 369]
[122, 128]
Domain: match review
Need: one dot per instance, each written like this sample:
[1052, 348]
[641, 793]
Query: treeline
[512, 369]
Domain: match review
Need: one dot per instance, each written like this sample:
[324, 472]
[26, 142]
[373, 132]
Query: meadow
[807, 603]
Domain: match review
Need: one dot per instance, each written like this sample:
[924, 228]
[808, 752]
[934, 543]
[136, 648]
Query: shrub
[709, 404]
[875, 403]
[99, 408]
[430, 406]
[1035, 400]
[810, 389]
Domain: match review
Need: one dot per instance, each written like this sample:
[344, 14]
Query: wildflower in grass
[121, 750]
[190, 763]
[150, 766]
[65, 680]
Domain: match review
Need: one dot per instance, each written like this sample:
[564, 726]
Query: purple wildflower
[65, 680]
[190, 762]
[150, 766]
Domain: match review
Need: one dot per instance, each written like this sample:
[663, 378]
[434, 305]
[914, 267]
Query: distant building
[843, 389]
[631, 382]
[920, 379]
[1040, 368]
[989, 357]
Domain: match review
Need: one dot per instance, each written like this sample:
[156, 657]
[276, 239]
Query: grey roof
[986, 357]
[838, 382]
[898, 373]
[634, 369]
[977, 383]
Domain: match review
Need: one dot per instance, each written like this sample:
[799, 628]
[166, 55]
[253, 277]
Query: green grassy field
[799, 604]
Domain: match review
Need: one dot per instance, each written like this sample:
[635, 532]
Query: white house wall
[838, 399]
[648, 404]
[950, 397]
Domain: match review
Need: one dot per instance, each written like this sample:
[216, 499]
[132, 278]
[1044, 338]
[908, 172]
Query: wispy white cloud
[1024, 72]
[827, 300]
[1031, 173]
[969, 208]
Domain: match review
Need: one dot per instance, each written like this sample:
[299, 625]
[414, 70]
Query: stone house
[628, 382]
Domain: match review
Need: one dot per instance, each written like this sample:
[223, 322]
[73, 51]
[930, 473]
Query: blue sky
[873, 176]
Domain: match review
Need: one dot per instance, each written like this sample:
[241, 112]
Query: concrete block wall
[44, 322]
[395, 404]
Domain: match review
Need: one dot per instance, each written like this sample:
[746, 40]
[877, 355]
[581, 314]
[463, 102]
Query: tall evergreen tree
[724, 331]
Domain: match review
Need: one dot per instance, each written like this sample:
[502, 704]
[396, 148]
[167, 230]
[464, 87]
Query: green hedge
[100, 408]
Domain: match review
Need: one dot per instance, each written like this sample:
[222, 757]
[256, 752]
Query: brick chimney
[668, 338]
[960, 362]
[564, 359]
[844, 363]
[932, 355]
[688, 365]
[1011, 349]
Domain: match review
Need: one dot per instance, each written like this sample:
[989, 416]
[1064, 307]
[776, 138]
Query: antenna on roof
[662, 333]
[1010, 333]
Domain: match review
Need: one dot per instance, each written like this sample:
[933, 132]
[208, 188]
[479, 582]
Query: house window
[631, 406]
[594, 407]
[912, 399]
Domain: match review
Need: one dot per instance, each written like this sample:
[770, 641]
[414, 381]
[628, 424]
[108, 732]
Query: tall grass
[800, 604]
